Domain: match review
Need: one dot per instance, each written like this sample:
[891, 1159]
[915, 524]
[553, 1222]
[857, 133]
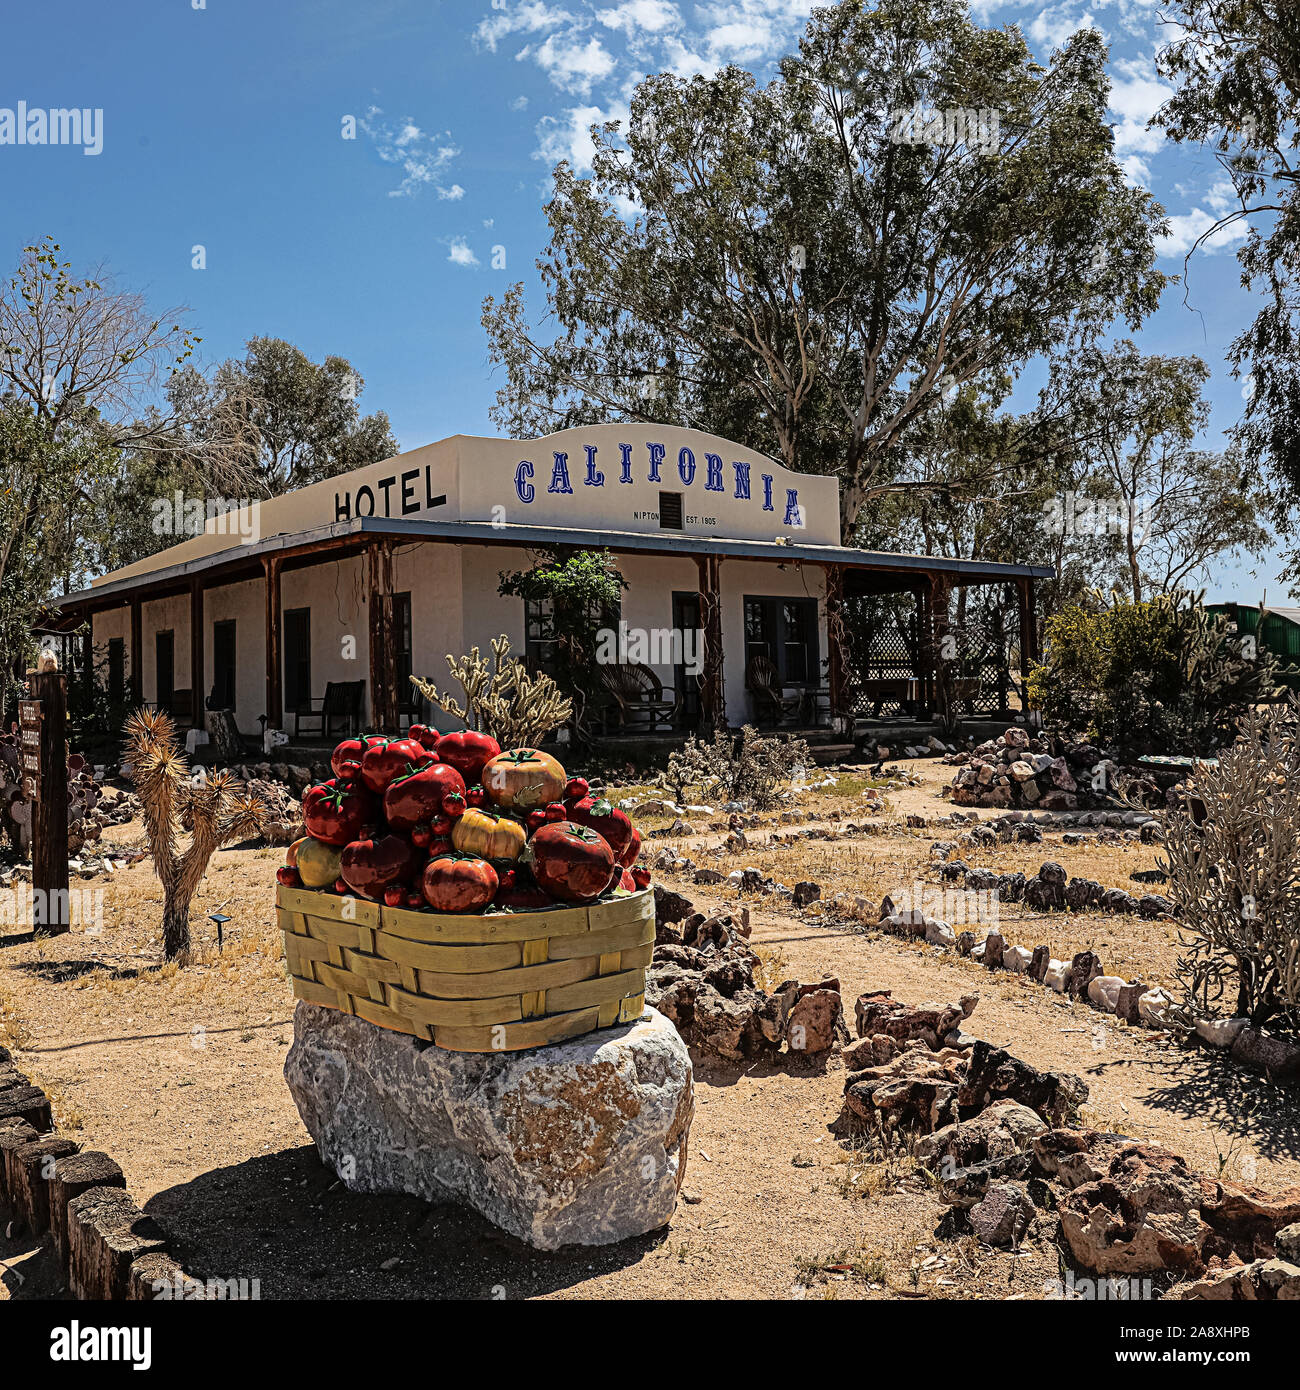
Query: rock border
[105, 1248]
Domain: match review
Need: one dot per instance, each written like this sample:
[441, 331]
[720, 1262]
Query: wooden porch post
[713, 690]
[197, 679]
[836, 640]
[384, 695]
[939, 646]
[49, 824]
[137, 653]
[88, 661]
[274, 688]
[1029, 649]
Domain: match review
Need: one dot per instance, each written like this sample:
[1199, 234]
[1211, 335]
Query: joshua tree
[209, 809]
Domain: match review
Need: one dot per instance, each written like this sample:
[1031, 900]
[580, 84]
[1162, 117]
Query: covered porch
[316, 633]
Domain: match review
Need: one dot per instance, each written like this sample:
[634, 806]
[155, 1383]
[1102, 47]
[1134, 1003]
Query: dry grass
[868, 867]
[178, 1074]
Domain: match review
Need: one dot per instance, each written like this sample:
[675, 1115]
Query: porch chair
[762, 681]
[343, 702]
[635, 690]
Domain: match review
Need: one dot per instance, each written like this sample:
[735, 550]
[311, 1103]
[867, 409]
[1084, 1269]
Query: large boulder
[1143, 1215]
[1261, 1280]
[580, 1143]
[994, 1073]
[917, 1089]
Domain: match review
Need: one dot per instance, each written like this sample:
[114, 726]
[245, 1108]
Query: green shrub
[1160, 676]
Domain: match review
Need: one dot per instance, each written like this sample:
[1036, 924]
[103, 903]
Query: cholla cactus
[1232, 846]
[209, 809]
[501, 697]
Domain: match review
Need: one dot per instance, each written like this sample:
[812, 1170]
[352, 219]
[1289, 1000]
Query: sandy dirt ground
[178, 1075]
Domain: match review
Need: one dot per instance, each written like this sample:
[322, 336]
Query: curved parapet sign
[655, 479]
[644, 478]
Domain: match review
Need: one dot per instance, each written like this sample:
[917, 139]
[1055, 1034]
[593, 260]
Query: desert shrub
[1163, 675]
[502, 698]
[1232, 847]
[746, 767]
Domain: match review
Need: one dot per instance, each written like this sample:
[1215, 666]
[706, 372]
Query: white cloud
[421, 157]
[1184, 230]
[531, 17]
[461, 254]
[568, 136]
[520, 103]
[1052, 26]
[682, 61]
[572, 65]
[641, 16]
[741, 40]
[1136, 170]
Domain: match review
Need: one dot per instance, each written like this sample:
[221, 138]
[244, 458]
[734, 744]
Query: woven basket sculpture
[492, 983]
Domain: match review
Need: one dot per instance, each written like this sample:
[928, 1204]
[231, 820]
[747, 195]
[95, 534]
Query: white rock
[939, 933]
[1016, 959]
[1220, 1032]
[977, 951]
[1104, 991]
[1152, 1007]
[581, 1143]
[1057, 973]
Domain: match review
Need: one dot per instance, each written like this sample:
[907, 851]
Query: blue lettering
[686, 466]
[625, 455]
[792, 516]
[713, 476]
[742, 481]
[560, 474]
[657, 452]
[595, 478]
[523, 488]
[767, 493]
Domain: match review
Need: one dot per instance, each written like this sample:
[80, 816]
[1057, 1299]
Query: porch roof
[333, 541]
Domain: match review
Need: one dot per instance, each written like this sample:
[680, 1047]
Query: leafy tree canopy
[1237, 68]
[805, 268]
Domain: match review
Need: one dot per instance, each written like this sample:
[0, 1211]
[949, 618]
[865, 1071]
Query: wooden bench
[343, 701]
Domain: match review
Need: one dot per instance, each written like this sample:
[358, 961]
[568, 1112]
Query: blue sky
[223, 128]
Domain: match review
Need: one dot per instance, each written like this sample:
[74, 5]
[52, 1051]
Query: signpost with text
[42, 722]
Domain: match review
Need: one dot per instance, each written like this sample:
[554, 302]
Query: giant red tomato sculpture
[335, 812]
[468, 751]
[346, 758]
[570, 862]
[370, 866]
[459, 883]
[390, 759]
[414, 796]
[602, 816]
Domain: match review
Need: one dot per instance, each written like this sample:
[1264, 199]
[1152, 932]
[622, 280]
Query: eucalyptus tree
[810, 266]
[1236, 64]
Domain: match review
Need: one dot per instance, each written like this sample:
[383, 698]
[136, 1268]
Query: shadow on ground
[287, 1221]
[57, 972]
[1211, 1087]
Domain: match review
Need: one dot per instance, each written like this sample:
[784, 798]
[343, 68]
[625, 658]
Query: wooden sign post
[43, 722]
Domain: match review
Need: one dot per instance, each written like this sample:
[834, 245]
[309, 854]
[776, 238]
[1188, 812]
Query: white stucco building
[382, 572]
